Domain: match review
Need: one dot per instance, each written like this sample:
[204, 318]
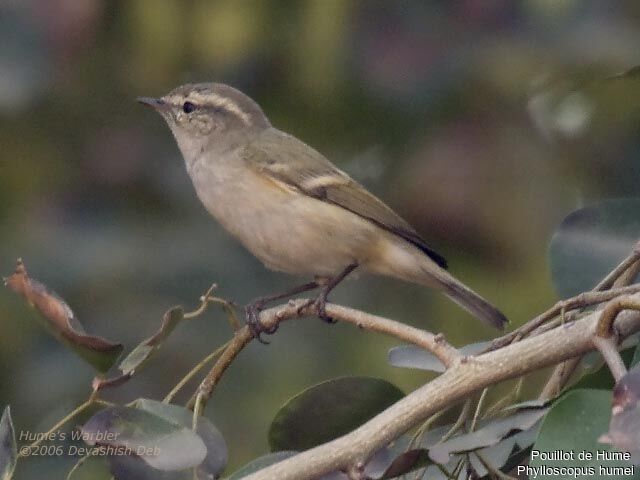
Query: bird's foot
[252, 315]
[320, 305]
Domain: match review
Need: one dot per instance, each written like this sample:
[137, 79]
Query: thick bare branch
[459, 381]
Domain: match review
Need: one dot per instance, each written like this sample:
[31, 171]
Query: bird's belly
[285, 229]
[306, 236]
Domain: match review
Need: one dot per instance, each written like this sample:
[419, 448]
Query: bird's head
[209, 115]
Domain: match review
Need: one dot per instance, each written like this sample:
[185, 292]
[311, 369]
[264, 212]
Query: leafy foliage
[136, 433]
[590, 242]
[410, 356]
[328, 410]
[486, 436]
[572, 426]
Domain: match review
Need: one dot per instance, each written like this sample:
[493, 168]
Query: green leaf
[597, 375]
[144, 350]
[162, 444]
[148, 347]
[489, 434]
[636, 356]
[260, 463]
[217, 452]
[329, 410]
[8, 451]
[572, 426]
[624, 429]
[590, 242]
[404, 463]
[61, 322]
[410, 356]
[496, 455]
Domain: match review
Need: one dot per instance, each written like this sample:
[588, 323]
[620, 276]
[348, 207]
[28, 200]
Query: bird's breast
[285, 229]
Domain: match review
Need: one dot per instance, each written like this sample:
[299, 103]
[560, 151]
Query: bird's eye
[188, 107]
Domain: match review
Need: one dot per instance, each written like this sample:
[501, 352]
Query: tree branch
[272, 317]
[559, 378]
[613, 284]
[605, 340]
[563, 307]
[608, 348]
[460, 380]
[627, 264]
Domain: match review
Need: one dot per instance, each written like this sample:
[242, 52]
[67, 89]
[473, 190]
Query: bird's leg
[321, 300]
[252, 310]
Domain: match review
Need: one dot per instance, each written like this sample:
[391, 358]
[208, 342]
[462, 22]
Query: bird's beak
[156, 103]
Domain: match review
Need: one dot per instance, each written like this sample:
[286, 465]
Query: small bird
[291, 207]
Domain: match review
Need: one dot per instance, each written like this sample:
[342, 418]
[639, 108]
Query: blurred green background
[483, 122]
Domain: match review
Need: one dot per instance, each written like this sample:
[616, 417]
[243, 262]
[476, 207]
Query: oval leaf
[590, 242]
[496, 455]
[61, 322]
[411, 356]
[489, 434]
[148, 347]
[574, 424]
[8, 451]
[329, 410]
[161, 444]
[404, 463]
[217, 452]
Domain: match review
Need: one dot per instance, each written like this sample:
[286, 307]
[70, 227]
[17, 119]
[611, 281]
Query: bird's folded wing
[288, 160]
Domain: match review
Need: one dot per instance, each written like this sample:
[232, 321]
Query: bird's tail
[470, 300]
[407, 263]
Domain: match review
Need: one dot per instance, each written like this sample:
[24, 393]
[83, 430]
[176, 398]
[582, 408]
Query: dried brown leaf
[61, 322]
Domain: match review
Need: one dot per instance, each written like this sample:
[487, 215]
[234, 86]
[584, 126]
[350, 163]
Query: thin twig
[204, 303]
[79, 463]
[25, 451]
[416, 439]
[241, 338]
[512, 397]
[272, 317]
[559, 378]
[462, 418]
[562, 373]
[608, 348]
[584, 300]
[491, 469]
[616, 280]
[201, 364]
[208, 299]
[476, 414]
[620, 270]
[605, 339]
[611, 311]
[197, 411]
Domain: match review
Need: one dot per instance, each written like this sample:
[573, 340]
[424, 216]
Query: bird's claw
[321, 307]
[319, 304]
[252, 314]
